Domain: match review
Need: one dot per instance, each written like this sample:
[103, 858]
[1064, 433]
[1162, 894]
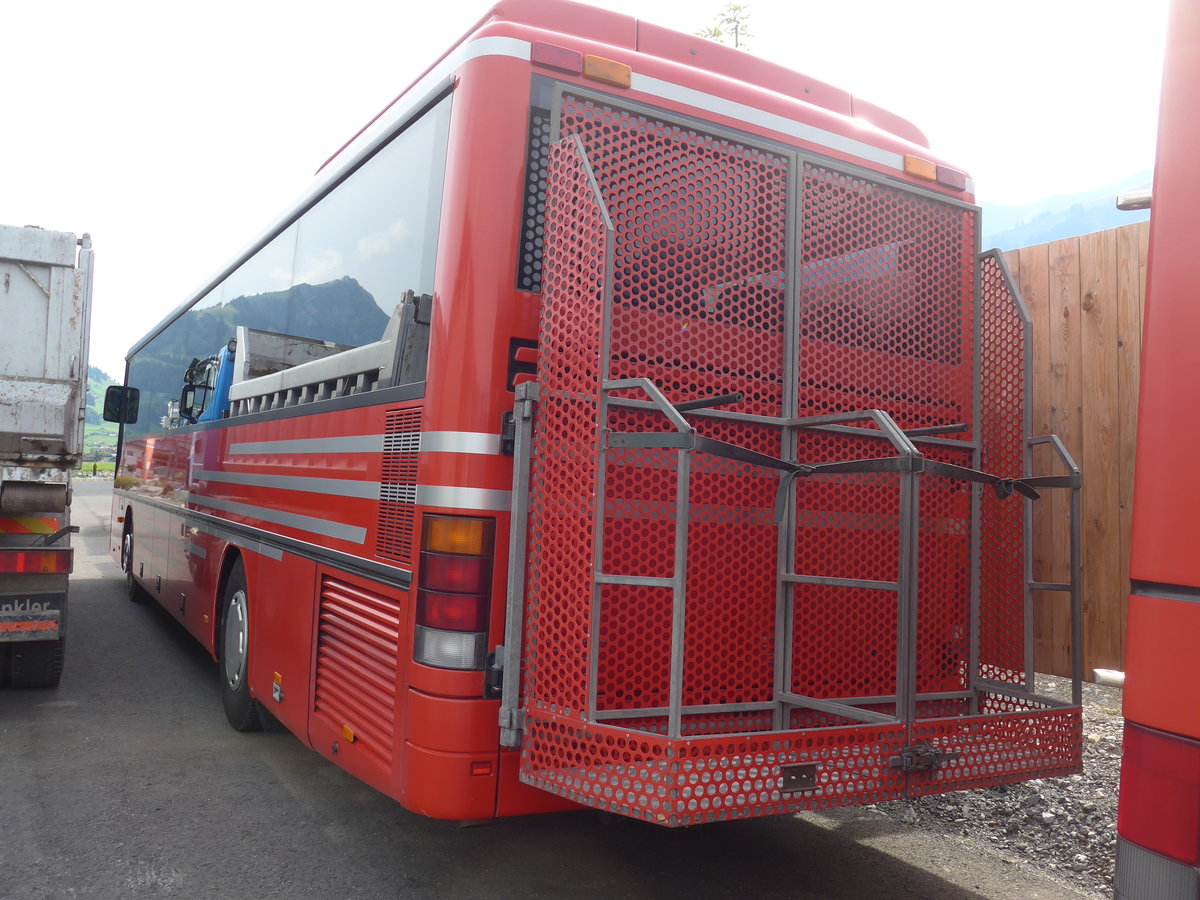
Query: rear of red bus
[712, 500]
[1158, 820]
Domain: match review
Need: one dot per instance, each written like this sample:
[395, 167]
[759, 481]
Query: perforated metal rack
[733, 591]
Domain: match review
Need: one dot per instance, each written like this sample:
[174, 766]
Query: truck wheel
[133, 590]
[36, 664]
[234, 653]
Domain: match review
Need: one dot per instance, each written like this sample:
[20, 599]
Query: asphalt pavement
[126, 781]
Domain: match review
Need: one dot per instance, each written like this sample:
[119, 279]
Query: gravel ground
[1064, 826]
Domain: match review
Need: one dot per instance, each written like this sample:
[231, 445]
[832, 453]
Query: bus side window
[412, 344]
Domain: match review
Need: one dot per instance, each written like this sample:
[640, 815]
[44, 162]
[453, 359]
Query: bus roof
[623, 31]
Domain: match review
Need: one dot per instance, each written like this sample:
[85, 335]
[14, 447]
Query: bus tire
[234, 653]
[36, 664]
[133, 590]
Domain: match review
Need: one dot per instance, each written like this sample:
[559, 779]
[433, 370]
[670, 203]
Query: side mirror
[121, 404]
[187, 400]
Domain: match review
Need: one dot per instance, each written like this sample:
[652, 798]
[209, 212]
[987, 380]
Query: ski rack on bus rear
[685, 642]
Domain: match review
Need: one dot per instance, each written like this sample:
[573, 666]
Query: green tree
[730, 25]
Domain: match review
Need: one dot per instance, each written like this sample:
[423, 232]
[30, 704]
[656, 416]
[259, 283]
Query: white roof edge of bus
[440, 78]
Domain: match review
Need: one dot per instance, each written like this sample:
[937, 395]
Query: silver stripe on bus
[342, 532]
[355, 443]
[195, 550]
[460, 442]
[339, 487]
[464, 498]
[267, 550]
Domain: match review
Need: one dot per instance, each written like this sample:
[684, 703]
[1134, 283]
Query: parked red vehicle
[620, 421]
[1158, 818]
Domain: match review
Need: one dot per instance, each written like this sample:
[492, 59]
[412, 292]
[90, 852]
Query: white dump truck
[45, 310]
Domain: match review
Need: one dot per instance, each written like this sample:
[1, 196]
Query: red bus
[1158, 816]
[619, 421]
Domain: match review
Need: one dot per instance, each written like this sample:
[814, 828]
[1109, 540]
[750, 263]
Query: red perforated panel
[708, 779]
[699, 282]
[700, 251]
[1002, 429]
[1013, 741]
[563, 482]
[885, 279]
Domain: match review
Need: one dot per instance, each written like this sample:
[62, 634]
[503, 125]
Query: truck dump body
[45, 293]
[815, 594]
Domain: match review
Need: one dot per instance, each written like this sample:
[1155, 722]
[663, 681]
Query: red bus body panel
[333, 611]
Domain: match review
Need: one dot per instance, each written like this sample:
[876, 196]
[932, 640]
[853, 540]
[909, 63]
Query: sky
[175, 132]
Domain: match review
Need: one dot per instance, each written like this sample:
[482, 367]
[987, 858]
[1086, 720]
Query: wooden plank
[1131, 258]
[1100, 531]
[1066, 416]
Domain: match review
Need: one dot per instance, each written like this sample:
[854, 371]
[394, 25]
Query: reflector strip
[920, 168]
[609, 71]
[38, 561]
[28, 525]
[556, 57]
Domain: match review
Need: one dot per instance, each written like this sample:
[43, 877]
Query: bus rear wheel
[133, 590]
[234, 653]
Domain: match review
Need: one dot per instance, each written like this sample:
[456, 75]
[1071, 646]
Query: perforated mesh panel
[700, 250]
[529, 265]
[564, 476]
[707, 779]
[883, 274]
[1003, 336]
[696, 277]
[1013, 741]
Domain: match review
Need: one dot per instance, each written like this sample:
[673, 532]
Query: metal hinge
[922, 758]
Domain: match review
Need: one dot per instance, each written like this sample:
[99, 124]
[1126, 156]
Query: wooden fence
[1085, 297]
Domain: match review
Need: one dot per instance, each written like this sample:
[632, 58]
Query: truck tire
[36, 664]
[234, 653]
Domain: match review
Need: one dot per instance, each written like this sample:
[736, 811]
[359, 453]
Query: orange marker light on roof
[598, 68]
[920, 168]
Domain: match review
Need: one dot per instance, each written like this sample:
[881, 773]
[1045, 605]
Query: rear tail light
[38, 561]
[1160, 793]
[454, 594]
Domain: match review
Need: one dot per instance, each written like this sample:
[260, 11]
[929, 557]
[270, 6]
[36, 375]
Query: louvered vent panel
[357, 653]
[398, 485]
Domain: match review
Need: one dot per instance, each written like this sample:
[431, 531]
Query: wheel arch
[231, 557]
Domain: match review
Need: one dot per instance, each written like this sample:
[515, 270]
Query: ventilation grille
[357, 654]
[398, 485]
[529, 265]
